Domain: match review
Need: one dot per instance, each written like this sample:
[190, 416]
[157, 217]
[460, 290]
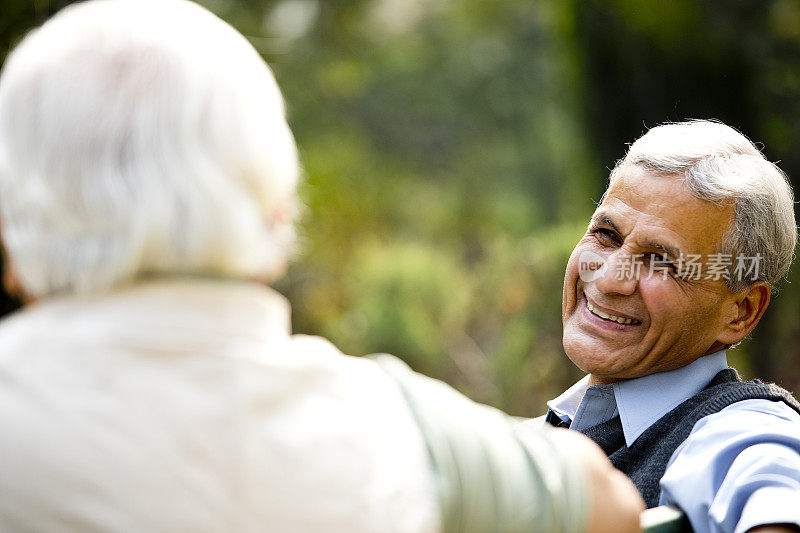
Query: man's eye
[661, 261]
[606, 236]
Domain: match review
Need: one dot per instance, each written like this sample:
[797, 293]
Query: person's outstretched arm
[614, 503]
[495, 474]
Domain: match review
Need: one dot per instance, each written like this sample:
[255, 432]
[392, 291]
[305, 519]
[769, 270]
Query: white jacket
[187, 406]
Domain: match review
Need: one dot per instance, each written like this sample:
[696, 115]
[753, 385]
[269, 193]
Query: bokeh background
[453, 151]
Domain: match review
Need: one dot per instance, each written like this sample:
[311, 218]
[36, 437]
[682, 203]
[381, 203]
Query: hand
[614, 502]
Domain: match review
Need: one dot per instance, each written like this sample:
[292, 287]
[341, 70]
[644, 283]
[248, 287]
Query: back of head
[721, 165]
[141, 137]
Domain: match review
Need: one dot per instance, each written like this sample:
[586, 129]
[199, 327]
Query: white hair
[721, 165]
[141, 137]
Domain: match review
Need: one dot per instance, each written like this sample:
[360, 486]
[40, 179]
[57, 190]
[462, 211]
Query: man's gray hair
[721, 165]
[141, 137]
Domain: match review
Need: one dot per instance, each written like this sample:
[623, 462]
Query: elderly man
[677, 265]
[147, 180]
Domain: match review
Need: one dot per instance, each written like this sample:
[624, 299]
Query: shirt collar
[642, 401]
[566, 405]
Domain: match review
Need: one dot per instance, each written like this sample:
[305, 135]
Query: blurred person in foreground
[677, 265]
[147, 185]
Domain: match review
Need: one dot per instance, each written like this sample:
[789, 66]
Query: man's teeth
[601, 314]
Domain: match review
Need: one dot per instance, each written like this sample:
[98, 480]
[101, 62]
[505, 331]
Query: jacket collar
[180, 314]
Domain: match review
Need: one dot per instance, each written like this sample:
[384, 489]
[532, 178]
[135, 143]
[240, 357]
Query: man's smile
[612, 316]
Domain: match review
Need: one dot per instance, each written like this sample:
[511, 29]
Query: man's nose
[622, 274]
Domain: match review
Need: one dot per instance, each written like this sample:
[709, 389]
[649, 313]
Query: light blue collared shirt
[739, 468]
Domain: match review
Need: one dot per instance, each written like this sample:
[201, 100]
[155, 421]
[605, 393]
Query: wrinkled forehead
[661, 208]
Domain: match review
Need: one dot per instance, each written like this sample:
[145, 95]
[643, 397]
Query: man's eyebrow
[671, 252]
[602, 219]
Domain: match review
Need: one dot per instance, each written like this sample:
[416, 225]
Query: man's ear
[749, 304]
[9, 280]
[11, 285]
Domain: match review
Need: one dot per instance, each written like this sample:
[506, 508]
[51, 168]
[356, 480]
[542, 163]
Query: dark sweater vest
[646, 460]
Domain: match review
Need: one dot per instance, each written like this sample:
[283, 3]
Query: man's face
[652, 322]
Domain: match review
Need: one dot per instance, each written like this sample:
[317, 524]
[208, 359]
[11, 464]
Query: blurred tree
[453, 151]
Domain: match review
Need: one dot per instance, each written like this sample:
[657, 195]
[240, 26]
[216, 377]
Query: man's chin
[599, 363]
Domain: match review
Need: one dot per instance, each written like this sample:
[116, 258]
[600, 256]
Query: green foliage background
[453, 150]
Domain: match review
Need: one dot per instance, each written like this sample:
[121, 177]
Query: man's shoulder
[756, 416]
[733, 393]
[727, 392]
[727, 433]
[728, 410]
[748, 451]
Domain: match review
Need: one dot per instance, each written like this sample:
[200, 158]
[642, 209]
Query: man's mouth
[619, 319]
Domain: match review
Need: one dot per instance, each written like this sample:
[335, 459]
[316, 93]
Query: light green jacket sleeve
[492, 473]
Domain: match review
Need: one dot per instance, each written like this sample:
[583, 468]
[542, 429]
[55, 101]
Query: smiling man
[677, 265]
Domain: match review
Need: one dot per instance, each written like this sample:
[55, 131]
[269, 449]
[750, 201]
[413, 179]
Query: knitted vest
[646, 460]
